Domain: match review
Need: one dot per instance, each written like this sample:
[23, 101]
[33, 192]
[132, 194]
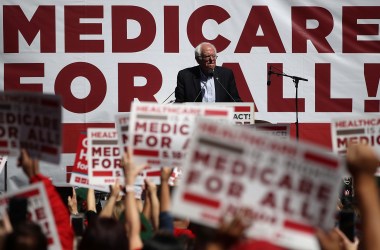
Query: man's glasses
[206, 58]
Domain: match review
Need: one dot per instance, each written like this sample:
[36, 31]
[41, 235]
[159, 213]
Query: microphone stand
[296, 80]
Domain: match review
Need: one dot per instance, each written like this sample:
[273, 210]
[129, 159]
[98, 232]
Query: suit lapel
[218, 88]
[197, 83]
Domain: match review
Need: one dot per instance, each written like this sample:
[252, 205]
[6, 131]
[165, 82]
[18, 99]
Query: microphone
[212, 73]
[169, 97]
[269, 74]
[200, 91]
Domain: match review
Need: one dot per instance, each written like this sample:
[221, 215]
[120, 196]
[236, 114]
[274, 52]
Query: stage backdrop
[101, 55]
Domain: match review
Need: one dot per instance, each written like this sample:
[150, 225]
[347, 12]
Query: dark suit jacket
[189, 86]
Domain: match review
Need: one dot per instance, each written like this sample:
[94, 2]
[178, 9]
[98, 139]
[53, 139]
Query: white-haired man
[206, 82]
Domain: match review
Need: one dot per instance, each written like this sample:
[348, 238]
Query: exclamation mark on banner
[372, 77]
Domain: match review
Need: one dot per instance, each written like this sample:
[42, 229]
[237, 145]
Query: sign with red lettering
[79, 172]
[104, 157]
[278, 130]
[288, 187]
[357, 129]
[3, 161]
[38, 210]
[159, 133]
[243, 112]
[31, 121]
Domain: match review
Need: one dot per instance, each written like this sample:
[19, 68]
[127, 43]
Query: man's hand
[131, 171]
[166, 172]
[335, 240]
[72, 203]
[29, 166]
[361, 159]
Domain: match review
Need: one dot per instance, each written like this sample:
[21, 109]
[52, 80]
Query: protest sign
[243, 112]
[38, 210]
[288, 187]
[79, 172]
[31, 121]
[159, 133]
[358, 129]
[278, 130]
[104, 158]
[122, 128]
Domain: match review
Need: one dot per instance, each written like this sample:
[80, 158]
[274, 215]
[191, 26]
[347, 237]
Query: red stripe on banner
[271, 128]
[30, 193]
[208, 216]
[49, 150]
[216, 112]
[201, 200]
[317, 133]
[242, 109]
[299, 227]
[153, 173]
[50, 103]
[72, 131]
[3, 143]
[332, 163]
[102, 173]
[4, 152]
[144, 152]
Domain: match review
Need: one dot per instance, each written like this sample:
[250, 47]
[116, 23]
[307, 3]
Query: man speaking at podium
[206, 82]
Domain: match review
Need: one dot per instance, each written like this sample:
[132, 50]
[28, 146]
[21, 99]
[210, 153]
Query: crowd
[134, 220]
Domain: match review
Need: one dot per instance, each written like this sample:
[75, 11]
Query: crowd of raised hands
[129, 220]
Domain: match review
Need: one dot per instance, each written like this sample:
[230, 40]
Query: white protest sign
[3, 161]
[358, 129]
[79, 172]
[39, 210]
[32, 121]
[278, 130]
[122, 128]
[243, 112]
[104, 158]
[289, 188]
[159, 133]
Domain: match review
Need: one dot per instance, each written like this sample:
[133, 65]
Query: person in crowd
[114, 205]
[91, 213]
[72, 203]
[335, 239]
[104, 233]
[27, 235]
[107, 232]
[61, 216]
[165, 217]
[132, 214]
[151, 204]
[5, 228]
[206, 82]
[362, 163]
